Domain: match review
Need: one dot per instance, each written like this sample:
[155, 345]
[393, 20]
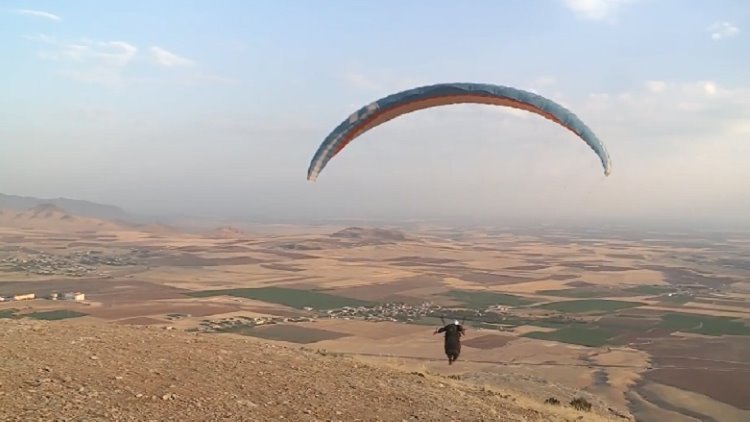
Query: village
[77, 264]
[390, 312]
[229, 324]
[72, 296]
[395, 312]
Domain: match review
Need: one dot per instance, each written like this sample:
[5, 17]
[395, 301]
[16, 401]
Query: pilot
[453, 333]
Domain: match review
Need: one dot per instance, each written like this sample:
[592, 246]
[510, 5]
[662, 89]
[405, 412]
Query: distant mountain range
[73, 206]
[49, 216]
[28, 211]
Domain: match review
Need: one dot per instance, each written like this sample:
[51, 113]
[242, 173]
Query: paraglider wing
[395, 105]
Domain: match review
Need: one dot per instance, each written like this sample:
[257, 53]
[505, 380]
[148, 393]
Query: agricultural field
[54, 315]
[634, 321]
[705, 324]
[484, 299]
[589, 305]
[581, 335]
[295, 298]
[289, 333]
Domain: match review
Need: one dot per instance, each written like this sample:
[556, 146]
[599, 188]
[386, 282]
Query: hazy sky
[216, 108]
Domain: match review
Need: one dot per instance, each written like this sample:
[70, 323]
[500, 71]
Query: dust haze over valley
[643, 324]
[163, 257]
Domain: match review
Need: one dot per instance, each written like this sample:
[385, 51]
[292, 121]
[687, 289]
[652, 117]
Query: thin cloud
[85, 60]
[596, 9]
[361, 81]
[116, 53]
[656, 86]
[544, 81]
[107, 53]
[166, 58]
[215, 79]
[695, 107]
[721, 30]
[43, 38]
[38, 14]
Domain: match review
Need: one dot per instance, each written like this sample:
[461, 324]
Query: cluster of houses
[384, 312]
[75, 296]
[225, 324]
[77, 264]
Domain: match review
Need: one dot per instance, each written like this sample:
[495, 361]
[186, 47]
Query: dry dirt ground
[67, 371]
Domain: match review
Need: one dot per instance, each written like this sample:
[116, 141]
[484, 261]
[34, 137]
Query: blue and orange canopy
[395, 105]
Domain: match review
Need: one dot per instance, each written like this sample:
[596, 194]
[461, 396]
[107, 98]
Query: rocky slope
[49, 216]
[370, 234]
[75, 370]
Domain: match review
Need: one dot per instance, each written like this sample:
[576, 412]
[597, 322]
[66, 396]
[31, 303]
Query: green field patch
[556, 323]
[589, 305]
[676, 298]
[483, 299]
[505, 322]
[289, 333]
[649, 290]
[618, 322]
[704, 324]
[581, 293]
[54, 315]
[723, 302]
[295, 298]
[514, 321]
[487, 326]
[428, 321]
[580, 335]
[8, 313]
[489, 320]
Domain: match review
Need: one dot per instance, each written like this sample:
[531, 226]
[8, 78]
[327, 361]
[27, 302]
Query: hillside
[76, 370]
[50, 216]
[370, 234]
[229, 232]
[75, 206]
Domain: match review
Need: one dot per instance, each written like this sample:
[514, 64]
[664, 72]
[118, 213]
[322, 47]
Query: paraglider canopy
[419, 98]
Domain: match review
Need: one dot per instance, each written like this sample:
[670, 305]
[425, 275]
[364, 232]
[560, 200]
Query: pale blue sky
[186, 106]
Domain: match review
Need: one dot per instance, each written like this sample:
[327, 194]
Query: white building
[74, 296]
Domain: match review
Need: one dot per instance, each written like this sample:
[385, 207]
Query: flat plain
[652, 325]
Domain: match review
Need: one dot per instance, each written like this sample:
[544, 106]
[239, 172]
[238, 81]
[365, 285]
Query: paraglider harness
[453, 333]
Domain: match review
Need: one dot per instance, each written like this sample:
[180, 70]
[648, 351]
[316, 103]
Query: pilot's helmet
[456, 322]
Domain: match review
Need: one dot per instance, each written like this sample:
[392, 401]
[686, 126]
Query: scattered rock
[580, 403]
[243, 402]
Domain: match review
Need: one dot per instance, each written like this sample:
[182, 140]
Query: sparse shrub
[324, 352]
[580, 403]
[553, 401]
